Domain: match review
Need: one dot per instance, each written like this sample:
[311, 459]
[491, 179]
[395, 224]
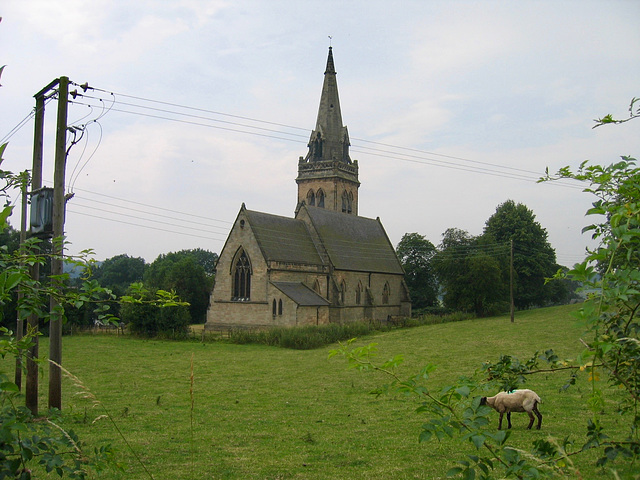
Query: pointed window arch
[386, 291]
[311, 198]
[359, 293]
[273, 308]
[320, 198]
[343, 292]
[241, 277]
[280, 307]
[347, 202]
[316, 287]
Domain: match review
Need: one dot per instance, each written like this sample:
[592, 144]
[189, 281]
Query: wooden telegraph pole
[31, 390]
[55, 322]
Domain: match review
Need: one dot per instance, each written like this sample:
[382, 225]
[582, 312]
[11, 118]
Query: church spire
[330, 139]
[327, 177]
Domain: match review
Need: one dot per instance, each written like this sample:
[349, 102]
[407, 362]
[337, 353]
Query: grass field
[268, 413]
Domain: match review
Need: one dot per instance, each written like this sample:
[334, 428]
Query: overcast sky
[201, 105]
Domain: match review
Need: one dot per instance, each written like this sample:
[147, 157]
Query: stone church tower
[327, 177]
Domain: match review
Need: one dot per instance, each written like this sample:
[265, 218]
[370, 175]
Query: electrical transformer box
[41, 222]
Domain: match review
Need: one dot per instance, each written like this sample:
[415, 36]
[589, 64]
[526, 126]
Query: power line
[141, 226]
[484, 168]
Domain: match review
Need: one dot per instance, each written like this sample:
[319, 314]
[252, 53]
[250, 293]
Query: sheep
[515, 401]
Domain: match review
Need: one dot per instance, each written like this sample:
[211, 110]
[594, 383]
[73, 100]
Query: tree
[119, 272]
[184, 273]
[470, 273]
[534, 259]
[416, 254]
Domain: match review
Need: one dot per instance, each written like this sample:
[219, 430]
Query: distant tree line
[473, 273]
[189, 273]
[463, 273]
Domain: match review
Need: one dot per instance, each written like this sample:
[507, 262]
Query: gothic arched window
[316, 287]
[241, 275]
[386, 291]
[273, 308]
[345, 201]
[350, 204]
[280, 307]
[311, 198]
[359, 293]
[320, 198]
[343, 292]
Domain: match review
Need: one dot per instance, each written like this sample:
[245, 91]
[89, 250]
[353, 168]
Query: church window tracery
[311, 198]
[320, 198]
[241, 274]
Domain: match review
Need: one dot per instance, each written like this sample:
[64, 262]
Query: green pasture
[269, 413]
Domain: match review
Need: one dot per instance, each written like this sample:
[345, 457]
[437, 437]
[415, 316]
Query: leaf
[463, 391]
[9, 387]
[455, 471]
[478, 440]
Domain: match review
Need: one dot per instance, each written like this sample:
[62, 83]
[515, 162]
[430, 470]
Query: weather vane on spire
[330, 37]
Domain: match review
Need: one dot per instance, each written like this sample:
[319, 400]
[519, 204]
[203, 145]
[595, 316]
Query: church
[324, 265]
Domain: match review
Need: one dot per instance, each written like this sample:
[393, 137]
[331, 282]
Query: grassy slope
[269, 413]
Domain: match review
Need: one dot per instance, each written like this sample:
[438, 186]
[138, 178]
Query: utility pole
[31, 391]
[55, 325]
[511, 284]
[55, 322]
[19, 321]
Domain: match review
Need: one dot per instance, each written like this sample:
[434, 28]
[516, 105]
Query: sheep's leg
[509, 419]
[538, 414]
[531, 419]
[500, 422]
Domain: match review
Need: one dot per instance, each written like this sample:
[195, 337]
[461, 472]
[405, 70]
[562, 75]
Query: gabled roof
[353, 242]
[300, 293]
[283, 239]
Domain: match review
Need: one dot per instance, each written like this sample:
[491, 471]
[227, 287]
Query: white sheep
[516, 401]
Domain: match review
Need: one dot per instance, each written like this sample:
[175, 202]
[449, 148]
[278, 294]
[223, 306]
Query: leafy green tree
[184, 273]
[470, 273]
[416, 254]
[119, 272]
[534, 259]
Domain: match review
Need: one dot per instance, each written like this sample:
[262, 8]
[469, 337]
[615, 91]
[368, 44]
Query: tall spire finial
[330, 37]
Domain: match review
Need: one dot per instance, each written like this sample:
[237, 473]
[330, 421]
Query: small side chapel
[324, 265]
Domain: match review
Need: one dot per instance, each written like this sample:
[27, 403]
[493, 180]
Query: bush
[146, 318]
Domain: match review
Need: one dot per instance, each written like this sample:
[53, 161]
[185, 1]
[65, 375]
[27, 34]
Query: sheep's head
[483, 401]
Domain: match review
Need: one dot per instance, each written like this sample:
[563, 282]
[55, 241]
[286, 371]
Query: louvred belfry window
[241, 278]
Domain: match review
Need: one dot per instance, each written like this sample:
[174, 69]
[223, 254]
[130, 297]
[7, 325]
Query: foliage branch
[24, 439]
[610, 275]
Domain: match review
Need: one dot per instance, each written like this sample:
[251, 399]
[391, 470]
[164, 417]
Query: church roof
[353, 242]
[283, 239]
[300, 293]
